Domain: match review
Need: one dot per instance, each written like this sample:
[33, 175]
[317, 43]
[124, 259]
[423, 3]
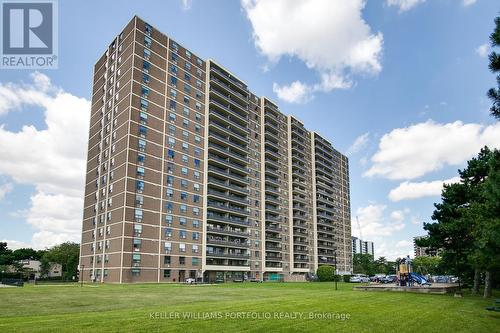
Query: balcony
[224, 207]
[228, 255]
[228, 130]
[228, 243]
[229, 119]
[229, 77]
[226, 196]
[228, 173]
[227, 231]
[226, 185]
[228, 152]
[227, 162]
[221, 218]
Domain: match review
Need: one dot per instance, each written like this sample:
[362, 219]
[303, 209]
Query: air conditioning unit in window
[138, 219]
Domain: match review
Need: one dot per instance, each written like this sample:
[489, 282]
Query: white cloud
[329, 36]
[14, 244]
[186, 4]
[483, 50]
[358, 144]
[51, 159]
[373, 223]
[404, 5]
[404, 243]
[469, 2]
[4, 189]
[411, 152]
[398, 215]
[413, 190]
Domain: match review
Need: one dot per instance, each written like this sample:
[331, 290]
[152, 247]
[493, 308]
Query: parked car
[190, 281]
[356, 278]
[377, 278]
[389, 279]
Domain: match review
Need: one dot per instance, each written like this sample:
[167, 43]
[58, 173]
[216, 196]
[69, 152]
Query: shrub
[325, 273]
[346, 278]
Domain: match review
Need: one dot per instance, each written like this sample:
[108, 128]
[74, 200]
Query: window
[144, 91]
[169, 207]
[147, 41]
[187, 77]
[166, 273]
[170, 180]
[197, 151]
[136, 258]
[174, 57]
[171, 129]
[139, 185]
[170, 192]
[182, 247]
[198, 106]
[183, 208]
[137, 244]
[196, 235]
[185, 123]
[182, 260]
[185, 146]
[141, 158]
[143, 130]
[187, 89]
[136, 272]
[145, 78]
[183, 234]
[146, 66]
[196, 176]
[142, 144]
[196, 198]
[184, 183]
[173, 81]
[167, 260]
[170, 167]
[185, 158]
[168, 219]
[171, 154]
[140, 171]
[147, 54]
[139, 199]
[184, 171]
[198, 116]
[168, 247]
[196, 224]
[186, 100]
[173, 93]
[172, 116]
[185, 134]
[138, 214]
[197, 163]
[144, 104]
[168, 232]
[188, 54]
[173, 104]
[137, 230]
[148, 29]
[171, 142]
[194, 261]
[195, 248]
[196, 211]
[182, 221]
[196, 187]
[187, 66]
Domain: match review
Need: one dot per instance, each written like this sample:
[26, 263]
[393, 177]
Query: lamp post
[336, 271]
[81, 274]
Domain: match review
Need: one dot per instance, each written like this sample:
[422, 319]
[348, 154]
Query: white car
[359, 278]
[190, 281]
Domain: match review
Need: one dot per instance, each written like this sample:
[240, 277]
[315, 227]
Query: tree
[494, 93]
[466, 227]
[25, 253]
[67, 255]
[427, 265]
[325, 273]
[363, 264]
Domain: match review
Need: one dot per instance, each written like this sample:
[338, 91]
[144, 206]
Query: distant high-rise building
[362, 247]
[191, 175]
[423, 251]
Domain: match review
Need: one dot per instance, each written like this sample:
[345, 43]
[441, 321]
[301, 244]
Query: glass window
[194, 261]
[182, 247]
[168, 219]
[136, 257]
[185, 158]
[167, 260]
[170, 192]
[184, 171]
[168, 247]
[140, 171]
[183, 234]
[171, 154]
[195, 248]
[170, 180]
[182, 221]
[139, 185]
[143, 117]
[166, 273]
[184, 195]
[142, 144]
[183, 208]
[168, 232]
[141, 158]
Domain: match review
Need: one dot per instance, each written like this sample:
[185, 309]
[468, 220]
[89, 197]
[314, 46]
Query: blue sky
[404, 96]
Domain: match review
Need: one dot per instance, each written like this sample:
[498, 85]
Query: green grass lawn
[130, 308]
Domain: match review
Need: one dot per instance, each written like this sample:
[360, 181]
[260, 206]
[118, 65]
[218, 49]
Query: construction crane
[359, 228]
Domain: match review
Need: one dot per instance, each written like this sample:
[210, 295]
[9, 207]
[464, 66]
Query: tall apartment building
[362, 247]
[420, 251]
[191, 175]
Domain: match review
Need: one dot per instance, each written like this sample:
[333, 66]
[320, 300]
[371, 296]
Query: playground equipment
[406, 277]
